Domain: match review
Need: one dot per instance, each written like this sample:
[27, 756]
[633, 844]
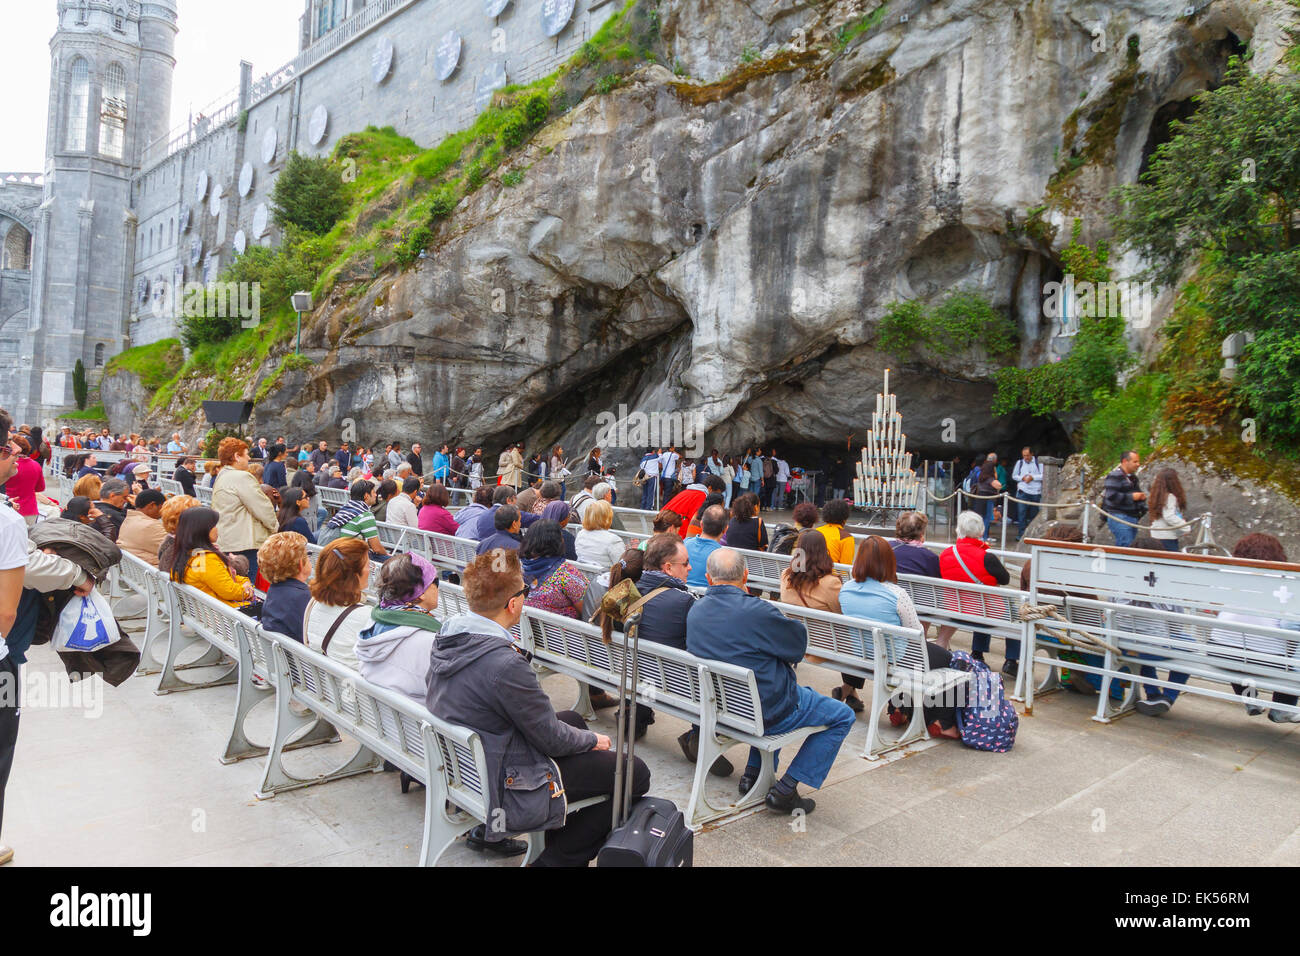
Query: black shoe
[978, 656]
[1011, 668]
[747, 782]
[1154, 708]
[690, 744]
[476, 840]
[603, 700]
[407, 780]
[788, 802]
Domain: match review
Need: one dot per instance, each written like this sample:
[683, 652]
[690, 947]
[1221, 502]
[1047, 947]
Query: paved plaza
[141, 785]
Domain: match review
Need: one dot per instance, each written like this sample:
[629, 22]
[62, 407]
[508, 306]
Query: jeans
[1169, 544]
[1026, 513]
[813, 761]
[648, 492]
[1124, 534]
[583, 775]
[777, 497]
[728, 492]
[979, 643]
[1155, 693]
[990, 506]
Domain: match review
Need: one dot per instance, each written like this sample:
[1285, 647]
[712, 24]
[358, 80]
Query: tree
[310, 194]
[1228, 180]
[79, 384]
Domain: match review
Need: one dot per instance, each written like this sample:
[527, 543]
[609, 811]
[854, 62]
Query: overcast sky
[214, 36]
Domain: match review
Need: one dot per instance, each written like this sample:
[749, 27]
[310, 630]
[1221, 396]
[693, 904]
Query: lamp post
[301, 303]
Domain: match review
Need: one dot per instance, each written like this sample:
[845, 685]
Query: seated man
[113, 502]
[712, 524]
[478, 679]
[728, 624]
[506, 525]
[142, 531]
[355, 519]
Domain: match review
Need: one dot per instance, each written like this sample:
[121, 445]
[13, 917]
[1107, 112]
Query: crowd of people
[248, 549]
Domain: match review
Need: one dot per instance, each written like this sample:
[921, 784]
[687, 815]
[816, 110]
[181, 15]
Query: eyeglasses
[522, 592]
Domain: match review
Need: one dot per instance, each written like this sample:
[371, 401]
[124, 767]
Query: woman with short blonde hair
[595, 543]
[283, 561]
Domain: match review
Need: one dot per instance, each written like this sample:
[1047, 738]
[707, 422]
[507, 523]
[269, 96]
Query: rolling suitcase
[650, 831]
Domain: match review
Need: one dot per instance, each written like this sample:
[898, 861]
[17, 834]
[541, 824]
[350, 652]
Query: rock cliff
[723, 243]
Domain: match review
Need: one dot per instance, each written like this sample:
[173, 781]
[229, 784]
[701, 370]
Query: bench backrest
[204, 494]
[1191, 581]
[332, 498]
[668, 676]
[219, 624]
[170, 486]
[859, 642]
[389, 723]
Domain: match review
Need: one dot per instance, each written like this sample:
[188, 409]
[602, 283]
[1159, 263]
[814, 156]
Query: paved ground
[141, 784]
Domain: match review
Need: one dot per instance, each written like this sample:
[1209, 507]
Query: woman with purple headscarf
[394, 651]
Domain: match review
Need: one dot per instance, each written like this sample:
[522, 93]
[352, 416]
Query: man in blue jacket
[729, 624]
[441, 463]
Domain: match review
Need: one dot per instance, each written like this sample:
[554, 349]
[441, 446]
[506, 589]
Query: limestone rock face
[126, 400]
[726, 251]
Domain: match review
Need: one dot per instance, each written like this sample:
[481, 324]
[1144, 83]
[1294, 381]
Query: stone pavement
[141, 785]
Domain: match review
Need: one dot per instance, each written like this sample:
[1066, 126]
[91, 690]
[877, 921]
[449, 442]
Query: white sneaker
[1282, 717]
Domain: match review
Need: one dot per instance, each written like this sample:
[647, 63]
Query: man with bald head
[729, 624]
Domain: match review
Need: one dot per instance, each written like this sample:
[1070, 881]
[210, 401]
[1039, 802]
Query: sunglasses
[522, 592]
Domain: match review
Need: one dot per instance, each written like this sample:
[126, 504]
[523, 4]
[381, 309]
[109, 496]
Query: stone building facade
[130, 210]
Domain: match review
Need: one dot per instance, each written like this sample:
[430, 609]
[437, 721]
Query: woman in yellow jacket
[247, 515]
[199, 563]
[835, 512]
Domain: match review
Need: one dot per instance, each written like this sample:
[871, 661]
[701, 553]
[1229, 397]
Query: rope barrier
[1089, 641]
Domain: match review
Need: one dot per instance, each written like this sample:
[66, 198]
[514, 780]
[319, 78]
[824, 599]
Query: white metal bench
[1106, 586]
[134, 575]
[233, 634]
[449, 760]
[170, 486]
[332, 498]
[893, 658]
[722, 698]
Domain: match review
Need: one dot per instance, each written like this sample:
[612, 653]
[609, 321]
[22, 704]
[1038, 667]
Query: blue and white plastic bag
[86, 624]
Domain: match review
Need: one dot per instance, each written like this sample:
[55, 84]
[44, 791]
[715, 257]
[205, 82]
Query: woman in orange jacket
[199, 563]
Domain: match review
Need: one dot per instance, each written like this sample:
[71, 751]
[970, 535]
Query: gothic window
[99, 355]
[78, 105]
[112, 112]
[118, 16]
[83, 12]
[17, 252]
[149, 245]
[171, 225]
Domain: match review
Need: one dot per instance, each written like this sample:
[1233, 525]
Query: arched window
[78, 105]
[99, 355]
[17, 252]
[171, 226]
[112, 112]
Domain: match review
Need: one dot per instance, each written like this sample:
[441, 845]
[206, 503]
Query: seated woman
[336, 615]
[554, 585]
[282, 560]
[292, 515]
[595, 543]
[200, 563]
[560, 513]
[971, 562]
[393, 651]
[663, 522]
[746, 529]
[171, 513]
[434, 515]
[874, 595]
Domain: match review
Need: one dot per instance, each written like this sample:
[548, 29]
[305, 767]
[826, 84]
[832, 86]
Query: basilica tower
[111, 66]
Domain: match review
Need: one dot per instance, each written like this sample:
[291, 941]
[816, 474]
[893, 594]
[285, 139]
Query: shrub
[309, 194]
[512, 178]
[607, 84]
[536, 108]
[79, 384]
[442, 203]
[961, 321]
[514, 130]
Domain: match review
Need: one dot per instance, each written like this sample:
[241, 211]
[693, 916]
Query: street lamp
[301, 303]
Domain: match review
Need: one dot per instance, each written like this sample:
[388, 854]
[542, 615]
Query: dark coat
[663, 620]
[484, 682]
